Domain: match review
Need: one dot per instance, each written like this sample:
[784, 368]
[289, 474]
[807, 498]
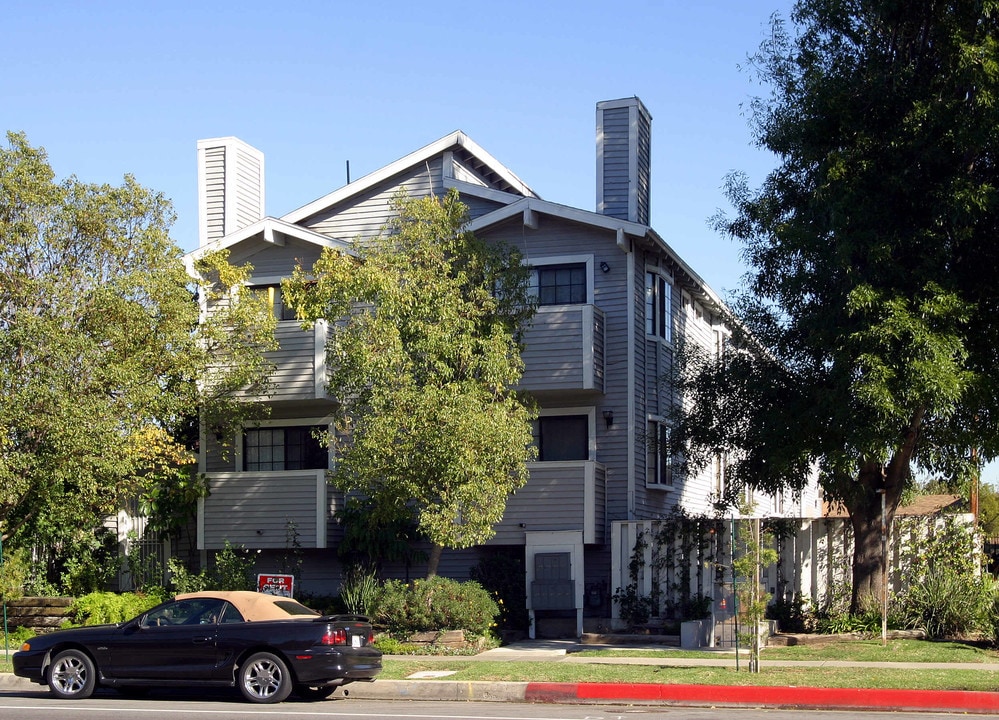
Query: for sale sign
[283, 585]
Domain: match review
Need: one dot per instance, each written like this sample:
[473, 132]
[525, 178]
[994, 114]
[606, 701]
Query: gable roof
[270, 230]
[499, 174]
[919, 506]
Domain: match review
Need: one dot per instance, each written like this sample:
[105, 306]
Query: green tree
[870, 306]
[423, 353]
[988, 510]
[103, 362]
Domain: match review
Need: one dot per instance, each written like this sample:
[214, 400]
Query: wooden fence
[38, 613]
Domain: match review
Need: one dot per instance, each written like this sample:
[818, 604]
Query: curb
[771, 697]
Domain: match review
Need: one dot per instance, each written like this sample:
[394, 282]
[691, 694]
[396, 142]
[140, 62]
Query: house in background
[614, 300]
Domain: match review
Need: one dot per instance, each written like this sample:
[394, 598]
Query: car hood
[80, 633]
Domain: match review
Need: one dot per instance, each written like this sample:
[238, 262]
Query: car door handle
[202, 639]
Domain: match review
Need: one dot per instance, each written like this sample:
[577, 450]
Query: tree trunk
[434, 560]
[864, 509]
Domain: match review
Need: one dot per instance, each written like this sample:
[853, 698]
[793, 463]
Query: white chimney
[624, 151]
[230, 187]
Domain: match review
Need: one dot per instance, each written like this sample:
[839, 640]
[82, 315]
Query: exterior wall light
[609, 417]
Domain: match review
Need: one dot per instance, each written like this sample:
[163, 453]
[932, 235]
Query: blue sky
[110, 87]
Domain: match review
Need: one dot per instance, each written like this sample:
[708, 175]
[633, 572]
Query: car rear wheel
[315, 693]
[264, 678]
[72, 675]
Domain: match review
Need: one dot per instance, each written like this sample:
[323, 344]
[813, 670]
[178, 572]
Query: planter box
[694, 633]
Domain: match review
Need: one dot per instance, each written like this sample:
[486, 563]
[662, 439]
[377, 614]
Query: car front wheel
[264, 678]
[72, 675]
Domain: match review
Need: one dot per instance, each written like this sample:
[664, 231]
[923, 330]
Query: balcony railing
[564, 349]
[567, 495]
[254, 509]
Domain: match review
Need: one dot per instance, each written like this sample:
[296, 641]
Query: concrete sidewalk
[432, 687]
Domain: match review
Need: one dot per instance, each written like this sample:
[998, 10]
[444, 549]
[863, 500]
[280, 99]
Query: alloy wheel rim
[263, 678]
[69, 674]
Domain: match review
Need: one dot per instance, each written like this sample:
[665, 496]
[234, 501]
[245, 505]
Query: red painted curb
[789, 697]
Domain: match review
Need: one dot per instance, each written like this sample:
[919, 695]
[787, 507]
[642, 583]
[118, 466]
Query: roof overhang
[269, 230]
[456, 139]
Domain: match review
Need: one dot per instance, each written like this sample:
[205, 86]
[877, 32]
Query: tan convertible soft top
[254, 606]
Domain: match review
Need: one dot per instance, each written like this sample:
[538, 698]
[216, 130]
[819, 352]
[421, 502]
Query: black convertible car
[267, 646]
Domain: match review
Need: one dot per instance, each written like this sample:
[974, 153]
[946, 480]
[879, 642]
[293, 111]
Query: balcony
[566, 495]
[564, 349]
[252, 509]
[299, 362]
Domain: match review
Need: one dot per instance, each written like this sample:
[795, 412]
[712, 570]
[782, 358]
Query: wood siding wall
[564, 349]
[214, 164]
[365, 216]
[253, 509]
[558, 496]
[295, 362]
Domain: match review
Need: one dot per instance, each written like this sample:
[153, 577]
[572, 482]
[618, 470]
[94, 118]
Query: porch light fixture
[609, 417]
[604, 267]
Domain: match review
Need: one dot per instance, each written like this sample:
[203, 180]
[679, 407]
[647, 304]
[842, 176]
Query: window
[275, 300]
[658, 306]
[661, 455]
[284, 448]
[196, 611]
[562, 437]
[561, 284]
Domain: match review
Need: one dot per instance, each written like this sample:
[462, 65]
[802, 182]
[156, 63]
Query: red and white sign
[283, 585]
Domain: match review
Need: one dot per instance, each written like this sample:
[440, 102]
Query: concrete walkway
[434, 687]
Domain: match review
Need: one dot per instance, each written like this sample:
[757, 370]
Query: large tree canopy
[103, 362]
[423, 353]
[872, 248]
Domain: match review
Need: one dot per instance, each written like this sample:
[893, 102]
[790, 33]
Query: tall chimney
[624, 150]
[230, 187]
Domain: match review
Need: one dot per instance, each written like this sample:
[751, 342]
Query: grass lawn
[855, 650]
[469, 670]
[860, 650]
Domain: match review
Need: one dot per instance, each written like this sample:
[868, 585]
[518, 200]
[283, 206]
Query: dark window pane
[562, 284]
[563, 437]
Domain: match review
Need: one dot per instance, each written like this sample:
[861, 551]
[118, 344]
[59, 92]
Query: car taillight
[334, 637]
[371, 637]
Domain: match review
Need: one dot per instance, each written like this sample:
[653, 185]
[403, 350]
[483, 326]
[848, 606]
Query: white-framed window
[661, 454]
[565, 434]
[271, 292]
[284, 447]
[563, 279]
[658, 306]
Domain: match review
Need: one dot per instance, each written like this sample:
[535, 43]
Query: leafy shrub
[232, 571]
[100, 608]
[635, 608]
[358, 590]
[90, 562]
[390, 646]
[947, 604]
[433, 604]
[14, 573]
[18, 636]
[867, 622]
[946, 593]
[793, 615]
